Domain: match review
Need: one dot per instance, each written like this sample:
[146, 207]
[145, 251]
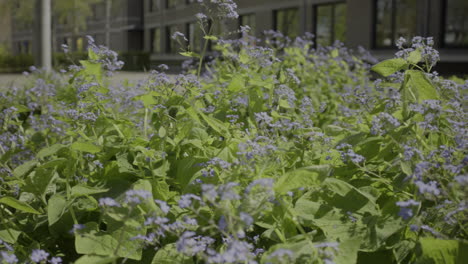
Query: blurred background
[141, 30]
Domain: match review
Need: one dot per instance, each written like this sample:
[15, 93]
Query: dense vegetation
[280, 153]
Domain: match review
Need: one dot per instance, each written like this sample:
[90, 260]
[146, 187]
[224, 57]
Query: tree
[73, 13]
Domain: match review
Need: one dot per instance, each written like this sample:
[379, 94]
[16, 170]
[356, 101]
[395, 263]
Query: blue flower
[55, 260]
[185, 200]
[8, 258]
[163, 206]
[429, 188]
[109, 202]
[39, 255]
[406, 211]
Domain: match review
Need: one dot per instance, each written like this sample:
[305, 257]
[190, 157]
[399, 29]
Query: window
[173, 45]
[248, 20]
[195, 36]
[217, 29]
[172, 3]
[330, 24]
[79, 44]
[156, 40]
[154, 5]
[394, 19]
[456, 24]
[287, 22]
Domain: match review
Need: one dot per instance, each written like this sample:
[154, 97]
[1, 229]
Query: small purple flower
[55, 260]
[163, 206]
[281, 253]
[406, 211]
[201, 16]
[246, 218]
[178, 34]
[137, 196]
[186, 200]
[39, 255]
[265, 183]
[429, 188]
[109, 202]
[8, 258]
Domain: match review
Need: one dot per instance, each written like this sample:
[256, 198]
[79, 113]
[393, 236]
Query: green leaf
[442, 251]
[190, 54]
[92, 55]
[215, 124]
[415, 56]
[303, 177]
[421, 86]
[92, 69]
[55, 208]
[93, 259]
[49, 151]
[90, 241]
[348, 251]
[237, 84]
[39, 181]
[24, 168]
[335, 53]
[389, 67]
[331, 220]
[147, 99]
[84, 190]
[85, 147]
[162, 132]
[9, 235]
[18, 205]
[210, 37]
[169, 255]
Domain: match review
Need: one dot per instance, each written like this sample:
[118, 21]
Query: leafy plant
[279, 154]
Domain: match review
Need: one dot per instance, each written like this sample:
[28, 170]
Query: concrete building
[374, 24]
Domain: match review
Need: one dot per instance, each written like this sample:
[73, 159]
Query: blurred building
[147, 25]
[5, 29]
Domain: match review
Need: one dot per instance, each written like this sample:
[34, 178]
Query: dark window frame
[154, 8]
[275, 18]
[196, 47]
[443, 29]
[254, 16]
[315, 17]
[153, 33]
[177, 2]
[393, 26]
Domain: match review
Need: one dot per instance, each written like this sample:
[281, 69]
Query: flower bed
[279, 153]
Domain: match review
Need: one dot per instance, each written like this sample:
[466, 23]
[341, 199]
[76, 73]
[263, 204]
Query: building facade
[123, 31]
[373, 24]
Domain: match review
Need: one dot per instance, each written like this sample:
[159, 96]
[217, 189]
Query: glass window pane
[154, 5]
[248, 20]
[172, 45]
[384, 35]
[324, 25]
[339, 27]
[456, 24]
[195, 36]
[405, 19]
[173, 3]
[287, 21]
[79, 44]
[156, 40]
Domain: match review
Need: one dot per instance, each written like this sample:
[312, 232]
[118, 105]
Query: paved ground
[18, 80]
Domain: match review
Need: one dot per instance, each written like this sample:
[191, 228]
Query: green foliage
[292, 153]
